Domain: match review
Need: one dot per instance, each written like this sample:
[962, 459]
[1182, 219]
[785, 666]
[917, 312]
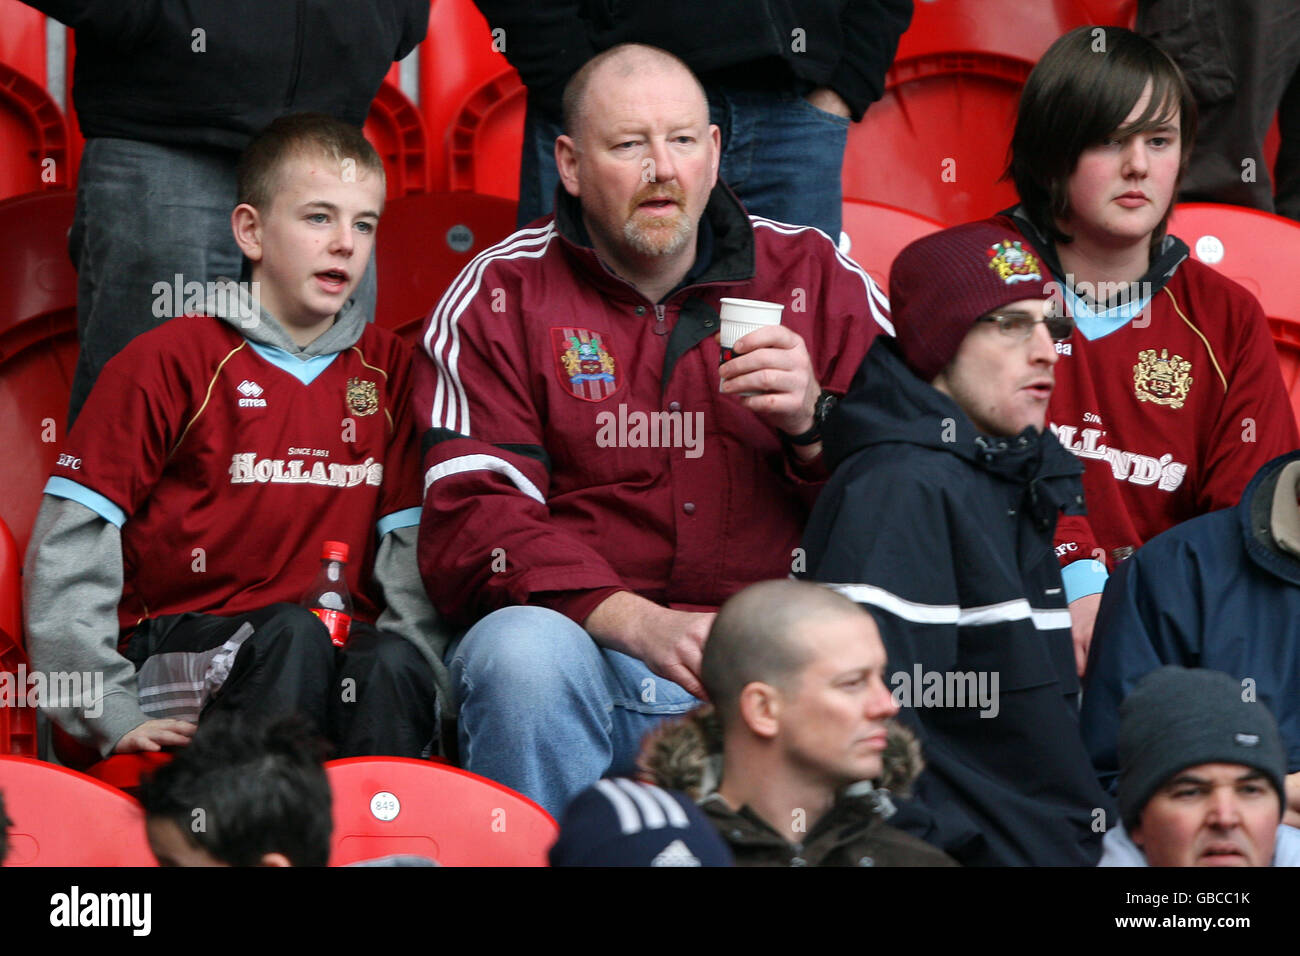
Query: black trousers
[375, 696]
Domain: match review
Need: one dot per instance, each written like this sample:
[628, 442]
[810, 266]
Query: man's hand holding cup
[767, 367]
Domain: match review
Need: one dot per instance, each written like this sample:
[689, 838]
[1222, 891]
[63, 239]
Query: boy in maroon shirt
[187, 510]
[1170, 390]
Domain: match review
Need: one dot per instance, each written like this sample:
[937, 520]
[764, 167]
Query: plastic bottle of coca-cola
[328, 596]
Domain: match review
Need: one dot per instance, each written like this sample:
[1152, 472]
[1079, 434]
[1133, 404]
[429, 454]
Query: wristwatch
[825, 402]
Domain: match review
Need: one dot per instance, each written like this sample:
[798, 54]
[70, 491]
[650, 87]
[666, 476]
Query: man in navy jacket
[1222, 592]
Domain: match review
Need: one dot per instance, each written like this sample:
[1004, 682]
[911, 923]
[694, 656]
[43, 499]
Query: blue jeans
[147, 212]
[780, 154]
[548, 712]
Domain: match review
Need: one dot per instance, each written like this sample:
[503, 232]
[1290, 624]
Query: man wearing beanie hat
[1201, 776]
[940, 515]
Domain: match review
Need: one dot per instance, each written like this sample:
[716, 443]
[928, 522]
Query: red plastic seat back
[38, 348]
[877, 234]
[391, 805]
[1260, 251]
[33, 136]
[64, 818]
[423, 243]
[936, 142]
[486, 136]
[396, 130]
[17, 724]
[458, 57]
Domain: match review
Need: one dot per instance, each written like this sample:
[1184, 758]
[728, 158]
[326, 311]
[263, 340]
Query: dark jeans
[780, 154]
[376, 696]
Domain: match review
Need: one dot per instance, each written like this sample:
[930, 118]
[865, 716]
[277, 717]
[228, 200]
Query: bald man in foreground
[596, 484]
[796, 673]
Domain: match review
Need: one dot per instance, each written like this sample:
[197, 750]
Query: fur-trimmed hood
[686, 754]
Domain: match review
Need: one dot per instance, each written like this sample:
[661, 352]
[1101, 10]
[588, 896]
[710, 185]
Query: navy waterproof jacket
[946, 536]
[1214, 592]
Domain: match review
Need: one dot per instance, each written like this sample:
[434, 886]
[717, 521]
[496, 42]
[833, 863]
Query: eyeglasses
[1020, 325]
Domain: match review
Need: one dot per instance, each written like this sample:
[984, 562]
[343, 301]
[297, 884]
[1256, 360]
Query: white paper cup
[742, 316]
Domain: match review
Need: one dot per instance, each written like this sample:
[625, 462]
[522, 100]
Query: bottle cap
[334, 551]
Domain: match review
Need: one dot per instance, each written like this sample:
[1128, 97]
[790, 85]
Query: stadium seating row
[382, 807]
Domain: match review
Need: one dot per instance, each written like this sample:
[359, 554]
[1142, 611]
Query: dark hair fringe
[1078, 96]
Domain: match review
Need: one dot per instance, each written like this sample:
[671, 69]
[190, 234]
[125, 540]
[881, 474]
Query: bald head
[617, 64]
[761, 634]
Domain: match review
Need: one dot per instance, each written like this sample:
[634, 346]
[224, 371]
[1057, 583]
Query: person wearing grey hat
[940, 515]
[1201, 776]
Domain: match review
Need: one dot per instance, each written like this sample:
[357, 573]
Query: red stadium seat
[876, 233]
[458, 57]
[390, 805]
[38, 347]
[486, 137]
[422, 244]
[936, 143]
[1260, 251]
[17, 724]
[33, 136]
[22, 39]
[64, 818]
[396, 130]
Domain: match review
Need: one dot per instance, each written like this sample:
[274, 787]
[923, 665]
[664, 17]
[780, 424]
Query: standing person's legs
[538, 175]
[1287, 170]
[782, 156]
[146, 214]
[548, 712]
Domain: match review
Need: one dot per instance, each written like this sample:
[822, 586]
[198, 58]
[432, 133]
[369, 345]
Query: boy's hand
[155, 735]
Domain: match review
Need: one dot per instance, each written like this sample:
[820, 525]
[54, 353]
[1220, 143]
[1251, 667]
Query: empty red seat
[33, 136]
[936, 142]
[17, 724]
[38, 347]
[423, 243]
[22, 39]
[1260, 251]
[396, 130]
[486, 136]
[64, 818]
[385, 806]
[458, 57]
[875, 233]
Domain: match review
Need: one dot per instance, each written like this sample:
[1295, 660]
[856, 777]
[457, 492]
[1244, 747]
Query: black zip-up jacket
[214, 72]
[847, 45]
[946, 535]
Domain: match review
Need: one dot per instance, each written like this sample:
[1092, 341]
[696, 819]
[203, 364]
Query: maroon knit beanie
[940, 284]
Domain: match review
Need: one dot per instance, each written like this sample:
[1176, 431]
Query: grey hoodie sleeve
[407, 610]
[72, 583]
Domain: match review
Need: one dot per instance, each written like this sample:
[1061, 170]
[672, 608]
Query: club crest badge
[1012, 263]
[363, 397]
[1162, 379]
[584, 363]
